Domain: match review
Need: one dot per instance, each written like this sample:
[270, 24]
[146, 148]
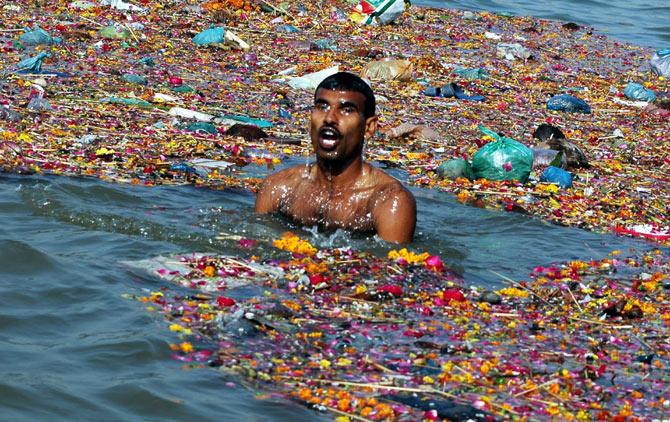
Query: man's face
[338, 126]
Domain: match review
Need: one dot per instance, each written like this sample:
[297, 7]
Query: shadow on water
[74, 347]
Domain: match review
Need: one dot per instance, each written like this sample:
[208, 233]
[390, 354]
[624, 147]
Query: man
[340, 190]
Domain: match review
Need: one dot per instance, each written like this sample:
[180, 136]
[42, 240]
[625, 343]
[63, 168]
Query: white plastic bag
[660, 63]
[370, 12]
[312, 80]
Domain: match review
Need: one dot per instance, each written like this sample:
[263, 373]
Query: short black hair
[349, 82]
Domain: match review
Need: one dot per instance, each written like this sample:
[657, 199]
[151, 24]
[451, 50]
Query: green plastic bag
[453, 169]
[114, 33]
[127, 101]
[503, 159]
[134, 79]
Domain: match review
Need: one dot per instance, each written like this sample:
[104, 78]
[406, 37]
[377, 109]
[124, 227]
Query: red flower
[434, 263]
[225, 302]
[317, 279]
[453, 294]
[392, 289]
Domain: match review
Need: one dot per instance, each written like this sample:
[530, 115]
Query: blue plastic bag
[32, 64]
[638, 92]
[557, 176]
[289, 29]
[38, 36]
[660, 62]
[568, 103]
[212, 35]
[451, 90]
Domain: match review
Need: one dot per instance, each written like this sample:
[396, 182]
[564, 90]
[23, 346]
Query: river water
[641, 22]
[72, 347]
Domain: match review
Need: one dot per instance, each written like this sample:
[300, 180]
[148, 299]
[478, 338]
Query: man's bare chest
[330, 208]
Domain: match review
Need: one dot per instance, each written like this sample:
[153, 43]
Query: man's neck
[339, 175]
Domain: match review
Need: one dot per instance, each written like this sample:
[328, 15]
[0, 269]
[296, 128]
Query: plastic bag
[568, 103]
[219, 35]
[312, 80]
[453, 169]
[127, 101]
[546, 157]
[472, 74]
[512, 51]
[32, 64]
[190, 114]
[557, 176]
[289, 29]
[211, 35]
[451, 90]
[201, 127]
[121, 5]
[372, 12]
[389, 70]
[660, 62]
[503, 159]
[113, 32]
[638, 92]
[134, 79]
[38, 36]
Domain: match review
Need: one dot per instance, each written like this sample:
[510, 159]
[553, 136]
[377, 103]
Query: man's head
[343, 115]
[345, 81]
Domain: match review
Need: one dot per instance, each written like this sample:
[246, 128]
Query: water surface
[74, 348]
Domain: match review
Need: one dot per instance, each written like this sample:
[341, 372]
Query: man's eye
[348, 110]
[321, 107]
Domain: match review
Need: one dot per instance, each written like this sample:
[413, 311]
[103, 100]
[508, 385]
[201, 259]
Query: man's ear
[371, 126]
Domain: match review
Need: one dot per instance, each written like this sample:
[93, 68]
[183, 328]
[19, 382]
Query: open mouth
[328, 137]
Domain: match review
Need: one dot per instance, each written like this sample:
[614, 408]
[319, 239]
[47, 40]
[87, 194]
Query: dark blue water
[641, 22]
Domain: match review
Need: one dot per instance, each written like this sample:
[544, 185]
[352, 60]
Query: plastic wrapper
[503, 159]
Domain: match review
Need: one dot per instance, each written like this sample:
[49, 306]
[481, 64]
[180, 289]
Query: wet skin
[340, 190]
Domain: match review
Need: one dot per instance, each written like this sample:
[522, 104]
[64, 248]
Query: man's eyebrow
[348, 104]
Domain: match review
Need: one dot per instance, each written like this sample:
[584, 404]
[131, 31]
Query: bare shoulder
[288, 177]
[394, 209]
[275, 187]
[387, 187]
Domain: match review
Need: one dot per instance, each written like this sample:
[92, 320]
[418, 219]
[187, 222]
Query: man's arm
[395, 215]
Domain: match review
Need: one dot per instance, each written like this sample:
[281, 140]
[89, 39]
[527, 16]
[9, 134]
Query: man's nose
[331, 115]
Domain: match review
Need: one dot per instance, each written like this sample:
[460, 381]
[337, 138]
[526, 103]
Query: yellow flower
[209, 271]
[407, 256]
[513, 291]
[292, 243]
